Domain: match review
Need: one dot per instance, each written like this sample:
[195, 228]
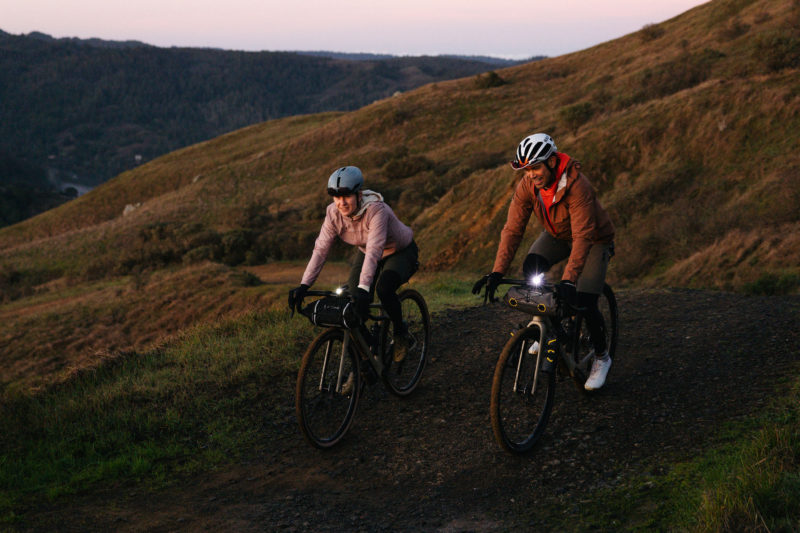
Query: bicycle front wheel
[522, 393]
[402, 377]
[328, 387]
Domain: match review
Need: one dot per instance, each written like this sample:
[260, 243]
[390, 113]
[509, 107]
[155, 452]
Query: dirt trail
[688, 361]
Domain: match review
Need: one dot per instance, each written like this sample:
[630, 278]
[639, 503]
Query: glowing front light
[339, 290]
[537, 280]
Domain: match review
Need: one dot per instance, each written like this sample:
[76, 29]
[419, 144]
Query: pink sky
[504, 28]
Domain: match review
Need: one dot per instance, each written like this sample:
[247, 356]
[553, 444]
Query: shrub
[407, 166]
[651, 32]
[574, 116]
[199, 254]
[235, 245]
[488, 80]
[242, 278]
[484, 160]
[763, 17]
[207, 237]
[771, 284]
[673, 76]
[735, 29]
[778, 50]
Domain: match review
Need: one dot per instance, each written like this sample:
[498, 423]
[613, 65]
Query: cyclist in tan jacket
[576, 228]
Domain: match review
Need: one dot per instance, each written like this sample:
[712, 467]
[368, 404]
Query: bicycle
[555, 340]
[350, 353]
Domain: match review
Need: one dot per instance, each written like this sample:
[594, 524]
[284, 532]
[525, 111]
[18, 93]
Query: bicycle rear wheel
[402, 377]
[522, 394]
[328, 387]
[582, 348]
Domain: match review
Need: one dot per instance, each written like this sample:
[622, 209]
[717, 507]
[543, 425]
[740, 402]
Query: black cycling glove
[296, 297]
[491, 281]
[362, 301]
[568, 293]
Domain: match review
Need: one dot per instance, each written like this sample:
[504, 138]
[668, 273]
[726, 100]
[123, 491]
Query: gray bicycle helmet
[345, 181]
[533, 149]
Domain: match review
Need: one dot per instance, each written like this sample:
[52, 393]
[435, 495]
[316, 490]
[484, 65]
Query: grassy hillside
[688, 129]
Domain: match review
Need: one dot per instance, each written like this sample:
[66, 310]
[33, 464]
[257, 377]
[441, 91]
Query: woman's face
[346, 204]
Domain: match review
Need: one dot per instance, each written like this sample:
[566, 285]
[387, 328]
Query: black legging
[594, 321]
[391, 273]
[535, 264]
[386, 289]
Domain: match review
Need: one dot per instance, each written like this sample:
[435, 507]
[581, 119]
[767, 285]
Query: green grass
[189, 406]
[748, 481]
[771, 283]
[446, 290]
[146, 417]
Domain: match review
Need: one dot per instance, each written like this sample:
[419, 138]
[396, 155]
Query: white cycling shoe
[597, 377]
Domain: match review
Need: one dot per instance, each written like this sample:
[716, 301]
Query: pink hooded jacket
[376, 231]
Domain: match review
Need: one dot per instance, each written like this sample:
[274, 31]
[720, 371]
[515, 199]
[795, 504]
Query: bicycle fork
[543, 346]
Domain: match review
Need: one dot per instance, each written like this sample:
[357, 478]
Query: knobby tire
[324, 411]
[403, 377]
[519, 418]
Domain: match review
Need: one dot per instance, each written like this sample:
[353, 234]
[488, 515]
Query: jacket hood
[367, 197]
[563, 162]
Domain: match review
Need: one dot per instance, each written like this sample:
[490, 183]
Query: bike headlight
[537, 280]
[339, 290]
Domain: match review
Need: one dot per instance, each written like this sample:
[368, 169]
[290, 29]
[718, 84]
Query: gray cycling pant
[546, 251]
[593, 276]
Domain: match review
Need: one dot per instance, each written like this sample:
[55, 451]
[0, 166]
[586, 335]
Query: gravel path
[688, 361]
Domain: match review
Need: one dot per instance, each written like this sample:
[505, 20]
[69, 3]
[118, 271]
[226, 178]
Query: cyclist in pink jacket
[386, 255]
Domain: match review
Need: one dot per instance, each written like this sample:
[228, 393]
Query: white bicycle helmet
[533, 149]
[345, 181]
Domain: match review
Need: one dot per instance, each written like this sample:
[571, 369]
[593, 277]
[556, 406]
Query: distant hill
[494, 61]
[77, 112]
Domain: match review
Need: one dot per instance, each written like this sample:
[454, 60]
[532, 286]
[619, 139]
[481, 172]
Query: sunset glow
[506, 28]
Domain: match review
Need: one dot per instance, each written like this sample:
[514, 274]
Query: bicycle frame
[356, 337]
[328, 390]
[546, 324]
[362, 346]
[524, 380]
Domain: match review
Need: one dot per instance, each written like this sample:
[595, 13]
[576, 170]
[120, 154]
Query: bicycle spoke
[402, 377]
[522, 394]
[324, 407]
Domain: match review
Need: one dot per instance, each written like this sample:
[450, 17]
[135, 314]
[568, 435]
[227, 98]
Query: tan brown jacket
[576, 216]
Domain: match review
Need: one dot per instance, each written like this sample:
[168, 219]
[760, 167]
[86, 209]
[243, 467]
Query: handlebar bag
[333, 311]
[531, 300]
